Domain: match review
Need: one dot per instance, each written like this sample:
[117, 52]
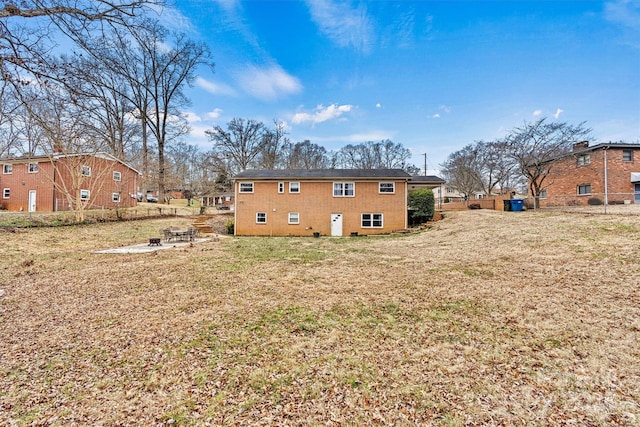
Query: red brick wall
[48, 198]
[565, 177]
[315, 204]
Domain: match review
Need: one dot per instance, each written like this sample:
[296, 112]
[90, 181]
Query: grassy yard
[487, 318]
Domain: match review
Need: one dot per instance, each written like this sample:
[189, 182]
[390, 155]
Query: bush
[422, 205]
[594, 201]
[230, 226]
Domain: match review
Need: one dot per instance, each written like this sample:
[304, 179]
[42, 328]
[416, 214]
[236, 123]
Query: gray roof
[323, 174]
[428, 179]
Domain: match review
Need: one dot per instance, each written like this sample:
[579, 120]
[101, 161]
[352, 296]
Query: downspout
[606, 190]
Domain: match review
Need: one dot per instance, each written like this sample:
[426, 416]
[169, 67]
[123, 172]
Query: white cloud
[624, 12]
[445, 108]
[214, 114]
[214, 88]
[191, 117]
[268, 83]
[345, 26]
[322, 114]
[436, 116]
[378, 105]
[558, 112]
[536, 113]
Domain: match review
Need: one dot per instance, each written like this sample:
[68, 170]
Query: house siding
[565, 176]
[49, 198]
[315, 203]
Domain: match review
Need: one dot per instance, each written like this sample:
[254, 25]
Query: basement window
[261, 217]
[115, 197]
[85, 194]
[6, 193]
[294, 218]
[371, 220]
[584, 189]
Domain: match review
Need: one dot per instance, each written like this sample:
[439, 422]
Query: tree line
[87, 76]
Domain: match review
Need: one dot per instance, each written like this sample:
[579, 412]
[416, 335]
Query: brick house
[604, 173]
[50, 183]
[333, 202]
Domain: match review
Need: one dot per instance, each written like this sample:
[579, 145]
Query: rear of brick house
[594, 175]
[329, 202]
[39, 184]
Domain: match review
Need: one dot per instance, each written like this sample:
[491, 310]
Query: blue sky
[432, 75]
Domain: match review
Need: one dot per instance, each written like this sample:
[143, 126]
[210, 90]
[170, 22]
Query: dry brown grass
[487, 318]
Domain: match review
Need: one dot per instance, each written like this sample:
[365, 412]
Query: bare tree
[238, 146]
[273, 145]
[306, 155]
[375, 155]
[30, 31]
[538, 146]
[462, 170]
[496, 168]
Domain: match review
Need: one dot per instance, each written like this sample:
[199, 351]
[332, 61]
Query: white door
[32, 200]
[336, 224]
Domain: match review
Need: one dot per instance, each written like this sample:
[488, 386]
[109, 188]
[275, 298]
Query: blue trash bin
[516, 205]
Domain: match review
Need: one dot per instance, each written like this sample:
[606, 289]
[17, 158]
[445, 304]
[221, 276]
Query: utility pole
[425, 164]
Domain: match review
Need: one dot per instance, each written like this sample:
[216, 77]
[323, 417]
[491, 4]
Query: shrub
[475, 206]
[230, 226]
[422, 205]
[594, 201]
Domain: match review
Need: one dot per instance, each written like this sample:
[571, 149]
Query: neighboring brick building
[579, 178]
[335, 202]
[44, 183]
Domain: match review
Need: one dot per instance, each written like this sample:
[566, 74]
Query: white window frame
[245, 187]
[294, 218]
[383, 187]
[6, 193]
[583, 159]
[294, 187]
[85, 195]
[261, 217]
[584, 187]
[33, 167]
[7, 169]
[86, 170]
[280, 187]
[369, 220]
[115, 197]
[341, 189]
[117, 176]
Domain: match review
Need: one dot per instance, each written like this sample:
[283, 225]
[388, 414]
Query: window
[294, 187]
[6, 193]
[627, 155]
[117, 176]
[543, 194]
[371, 220]
[281, 187]
[387, 187]
[343, 189]
[583, 159]
[584, 189]
[246, 187]
[294, 218]
[7, 169]
[33, 167]
[115, 197]
[261, 217]
[84, 194]
[86, 170]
